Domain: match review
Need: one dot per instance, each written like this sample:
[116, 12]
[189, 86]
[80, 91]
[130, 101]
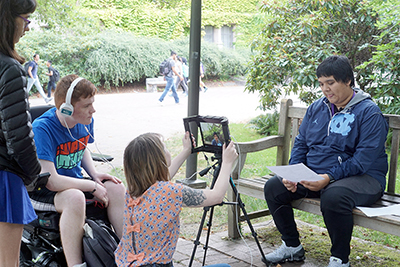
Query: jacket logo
[341, 123]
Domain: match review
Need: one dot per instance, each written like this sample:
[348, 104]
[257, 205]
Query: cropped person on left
[19, 164]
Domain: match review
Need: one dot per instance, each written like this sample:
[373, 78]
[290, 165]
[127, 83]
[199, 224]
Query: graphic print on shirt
[69, 153]
[341, 123]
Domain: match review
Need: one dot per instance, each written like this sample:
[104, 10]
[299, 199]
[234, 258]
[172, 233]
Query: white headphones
[66, 108]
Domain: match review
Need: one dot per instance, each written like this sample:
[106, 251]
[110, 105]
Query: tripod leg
[197, 241]
[241, 205]
[208, 234]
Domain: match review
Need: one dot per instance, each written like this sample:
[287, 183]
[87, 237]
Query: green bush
[266, 124]
[112, 58]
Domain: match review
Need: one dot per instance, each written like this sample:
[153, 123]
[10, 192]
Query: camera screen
[213, 132]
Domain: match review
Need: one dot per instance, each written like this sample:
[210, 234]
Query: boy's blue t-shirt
[54, 143]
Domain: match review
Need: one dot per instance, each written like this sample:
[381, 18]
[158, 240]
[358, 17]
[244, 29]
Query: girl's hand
[229, 154]
[188, 141]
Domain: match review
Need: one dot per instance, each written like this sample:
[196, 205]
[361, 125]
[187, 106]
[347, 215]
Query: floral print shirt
[151, 226]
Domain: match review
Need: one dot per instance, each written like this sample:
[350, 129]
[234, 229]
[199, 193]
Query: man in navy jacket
[342, 138]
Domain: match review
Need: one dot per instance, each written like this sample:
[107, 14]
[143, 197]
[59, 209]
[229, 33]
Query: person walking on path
[169, 77]
[33, 78]
[179, 81]
[52, 79]
[19, 164]
[202, 84]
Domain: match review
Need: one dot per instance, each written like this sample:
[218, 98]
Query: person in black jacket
[19, 164]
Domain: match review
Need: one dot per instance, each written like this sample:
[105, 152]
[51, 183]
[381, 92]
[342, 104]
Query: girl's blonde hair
[145, 163]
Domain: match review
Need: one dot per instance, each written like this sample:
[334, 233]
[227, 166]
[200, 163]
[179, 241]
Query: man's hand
[316, 185]
[100, 177]
[101, 194]
[291, 186]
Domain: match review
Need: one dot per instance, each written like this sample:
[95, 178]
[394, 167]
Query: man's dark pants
[337, 202]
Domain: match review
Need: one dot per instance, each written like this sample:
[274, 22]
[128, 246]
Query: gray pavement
[237, 253]
[120, 117]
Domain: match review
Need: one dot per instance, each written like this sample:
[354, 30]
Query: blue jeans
[50, 85]
[170, 85]
[39, 87]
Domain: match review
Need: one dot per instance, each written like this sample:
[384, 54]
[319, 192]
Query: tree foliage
[385, 61]
[302, 33]
[167, 19]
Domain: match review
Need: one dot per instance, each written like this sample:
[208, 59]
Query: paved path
[237, 253]
[120, 117]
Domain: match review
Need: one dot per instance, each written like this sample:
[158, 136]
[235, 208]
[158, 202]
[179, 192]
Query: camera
[214, 131]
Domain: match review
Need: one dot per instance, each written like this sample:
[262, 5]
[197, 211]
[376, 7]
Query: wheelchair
[41, 242]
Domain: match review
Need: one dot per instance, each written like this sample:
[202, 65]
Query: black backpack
[99, 244]
[56, 75]
[165, 67]
[26, 67]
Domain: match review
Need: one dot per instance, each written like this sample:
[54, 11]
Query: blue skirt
[15, 205]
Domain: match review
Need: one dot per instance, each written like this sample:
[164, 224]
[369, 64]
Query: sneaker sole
[297, 259]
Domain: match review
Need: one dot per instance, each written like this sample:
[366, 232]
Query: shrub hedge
[113, 59]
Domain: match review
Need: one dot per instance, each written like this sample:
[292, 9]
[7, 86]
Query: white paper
[390, 210]
[295, 173]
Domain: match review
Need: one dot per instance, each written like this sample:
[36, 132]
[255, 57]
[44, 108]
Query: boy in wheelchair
[61, 136]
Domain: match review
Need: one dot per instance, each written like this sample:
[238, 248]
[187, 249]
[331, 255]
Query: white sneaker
[80, 265]
[336, 262]
[285, 253]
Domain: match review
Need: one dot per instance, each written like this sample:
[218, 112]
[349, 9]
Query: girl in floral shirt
[153, 203]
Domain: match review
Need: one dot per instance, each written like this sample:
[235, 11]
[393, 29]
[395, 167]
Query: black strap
[158, 265]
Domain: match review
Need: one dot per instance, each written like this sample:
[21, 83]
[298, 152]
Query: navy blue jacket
[349, 143]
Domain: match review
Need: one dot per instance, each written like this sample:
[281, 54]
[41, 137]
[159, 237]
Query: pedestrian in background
[33, 78]
[52, 79]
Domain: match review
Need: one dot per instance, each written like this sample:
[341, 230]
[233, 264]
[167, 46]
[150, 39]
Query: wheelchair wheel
[25, 256]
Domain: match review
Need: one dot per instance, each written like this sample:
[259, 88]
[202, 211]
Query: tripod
[216, 166]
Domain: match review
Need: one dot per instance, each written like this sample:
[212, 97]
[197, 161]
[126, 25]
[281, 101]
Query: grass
[365, 250]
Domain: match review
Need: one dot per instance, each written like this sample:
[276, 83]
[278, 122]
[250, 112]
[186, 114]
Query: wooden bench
[153, 83]
[289, 121]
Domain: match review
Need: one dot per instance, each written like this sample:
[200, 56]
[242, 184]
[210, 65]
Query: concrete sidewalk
[237, 253]
[120, 117]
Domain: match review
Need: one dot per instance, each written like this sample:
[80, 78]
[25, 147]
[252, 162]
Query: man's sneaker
[285, 253]
[336, 262]
[47, 100]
